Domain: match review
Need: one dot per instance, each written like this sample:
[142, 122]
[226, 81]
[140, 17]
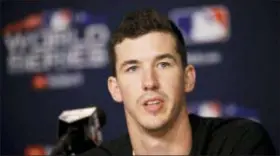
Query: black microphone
[79, 130]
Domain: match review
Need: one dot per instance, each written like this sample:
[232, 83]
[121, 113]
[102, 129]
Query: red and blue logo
[215, 108]
[200, 25]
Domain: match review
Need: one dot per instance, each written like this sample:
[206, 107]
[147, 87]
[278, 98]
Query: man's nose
[150, 80]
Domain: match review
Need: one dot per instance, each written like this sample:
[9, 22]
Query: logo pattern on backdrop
[55, 45]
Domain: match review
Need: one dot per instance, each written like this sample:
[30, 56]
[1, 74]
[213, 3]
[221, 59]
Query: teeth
[153, 102]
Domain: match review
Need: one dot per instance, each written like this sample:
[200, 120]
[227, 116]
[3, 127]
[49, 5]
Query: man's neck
[176, 141]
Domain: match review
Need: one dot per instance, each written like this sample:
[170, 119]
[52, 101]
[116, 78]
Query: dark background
[247, 78]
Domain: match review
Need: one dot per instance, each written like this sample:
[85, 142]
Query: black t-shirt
[211, 136]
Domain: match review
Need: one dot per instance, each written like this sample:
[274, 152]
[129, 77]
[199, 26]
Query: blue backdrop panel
[54, 58]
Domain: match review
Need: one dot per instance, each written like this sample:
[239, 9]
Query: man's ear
[189, 78]
[114, 89]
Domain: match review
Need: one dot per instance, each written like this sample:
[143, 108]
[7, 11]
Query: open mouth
[153, 105]
[153, 102]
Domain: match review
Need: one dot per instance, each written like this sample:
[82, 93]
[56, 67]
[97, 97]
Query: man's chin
[155, 127]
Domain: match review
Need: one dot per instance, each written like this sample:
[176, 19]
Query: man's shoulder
[233, 135]
[229, 124]
[232, 125]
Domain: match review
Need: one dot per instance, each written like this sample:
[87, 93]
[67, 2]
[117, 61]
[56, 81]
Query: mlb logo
[38, 150]
[34, 150]
[200, 25]
[58, 19]
[210, 109]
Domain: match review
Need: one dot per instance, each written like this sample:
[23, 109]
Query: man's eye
[131, 69]
[163, 64]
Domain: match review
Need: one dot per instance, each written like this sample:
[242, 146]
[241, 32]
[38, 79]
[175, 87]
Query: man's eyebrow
[127, 62]
[163, 56]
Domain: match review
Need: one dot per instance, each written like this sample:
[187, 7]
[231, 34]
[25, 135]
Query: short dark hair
[141, 22]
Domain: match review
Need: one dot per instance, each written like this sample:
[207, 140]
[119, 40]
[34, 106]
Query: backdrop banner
[54, 58]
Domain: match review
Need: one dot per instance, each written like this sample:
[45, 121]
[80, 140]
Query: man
[151, 77]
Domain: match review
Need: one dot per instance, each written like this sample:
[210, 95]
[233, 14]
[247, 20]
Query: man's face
[150, 80]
